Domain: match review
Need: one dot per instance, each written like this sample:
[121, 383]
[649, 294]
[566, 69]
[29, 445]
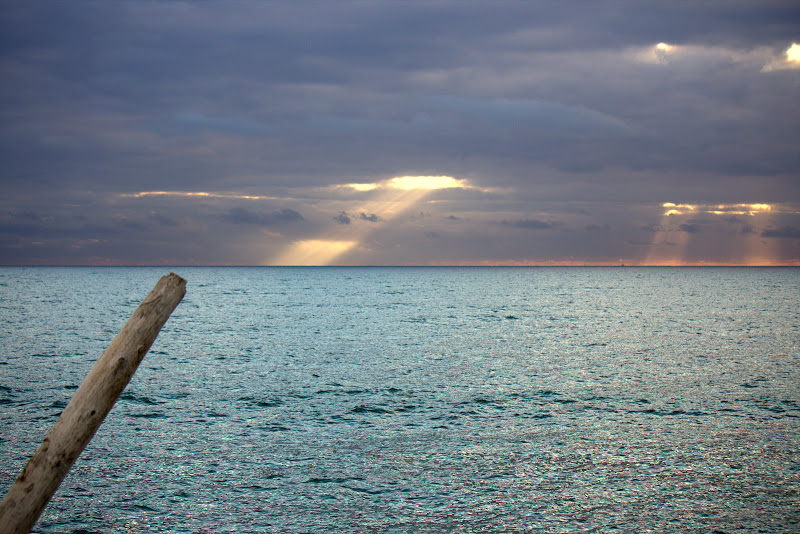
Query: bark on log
[112, 371]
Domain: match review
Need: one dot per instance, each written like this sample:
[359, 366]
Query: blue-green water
[418, 400]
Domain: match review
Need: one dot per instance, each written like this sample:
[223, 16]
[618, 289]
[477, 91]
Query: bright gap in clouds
[716, 209]
[793, 53]
[408, 183]
[412, 183]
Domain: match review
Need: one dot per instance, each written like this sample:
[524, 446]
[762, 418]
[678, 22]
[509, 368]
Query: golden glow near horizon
[664, 47]
[312, 252]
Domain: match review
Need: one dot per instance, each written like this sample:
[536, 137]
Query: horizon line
[416, 265]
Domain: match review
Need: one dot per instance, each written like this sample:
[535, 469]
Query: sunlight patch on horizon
[313, 252]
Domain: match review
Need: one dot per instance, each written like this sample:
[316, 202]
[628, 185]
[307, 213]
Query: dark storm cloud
[555, 102]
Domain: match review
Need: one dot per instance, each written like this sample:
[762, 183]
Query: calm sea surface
[418, 400]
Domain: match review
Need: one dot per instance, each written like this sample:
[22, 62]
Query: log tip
[172, 282]
[175, 279]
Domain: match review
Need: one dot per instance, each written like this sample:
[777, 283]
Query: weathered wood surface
[40, 478]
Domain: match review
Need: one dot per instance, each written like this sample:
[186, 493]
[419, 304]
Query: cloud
[243, 216]
[342, 218]
[163, 220]
[528, 224]
[369, 218]
[193, 121]
[786, 232]
[653, 228]
[691, 228]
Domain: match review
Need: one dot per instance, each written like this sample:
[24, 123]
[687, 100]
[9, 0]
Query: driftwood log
[79, 421]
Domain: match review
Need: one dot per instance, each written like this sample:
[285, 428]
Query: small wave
[664, 413]
[366, 490]
[268, 402]
[148, 415]
[276, 428]
[362, 408]
[324, 480]
[140, 399]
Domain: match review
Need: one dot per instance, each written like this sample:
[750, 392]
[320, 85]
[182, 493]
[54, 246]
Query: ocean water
[418, 399]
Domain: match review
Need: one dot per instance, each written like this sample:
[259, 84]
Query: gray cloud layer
[566, 113]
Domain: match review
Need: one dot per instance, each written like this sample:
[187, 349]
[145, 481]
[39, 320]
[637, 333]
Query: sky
[400, 133]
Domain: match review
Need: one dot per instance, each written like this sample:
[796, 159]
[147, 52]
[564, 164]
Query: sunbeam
[394, 197]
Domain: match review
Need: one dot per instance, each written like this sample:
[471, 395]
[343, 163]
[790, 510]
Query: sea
[393, 399]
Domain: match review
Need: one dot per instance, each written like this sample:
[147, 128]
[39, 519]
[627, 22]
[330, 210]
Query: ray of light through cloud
[681, 223]
[394, 197]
